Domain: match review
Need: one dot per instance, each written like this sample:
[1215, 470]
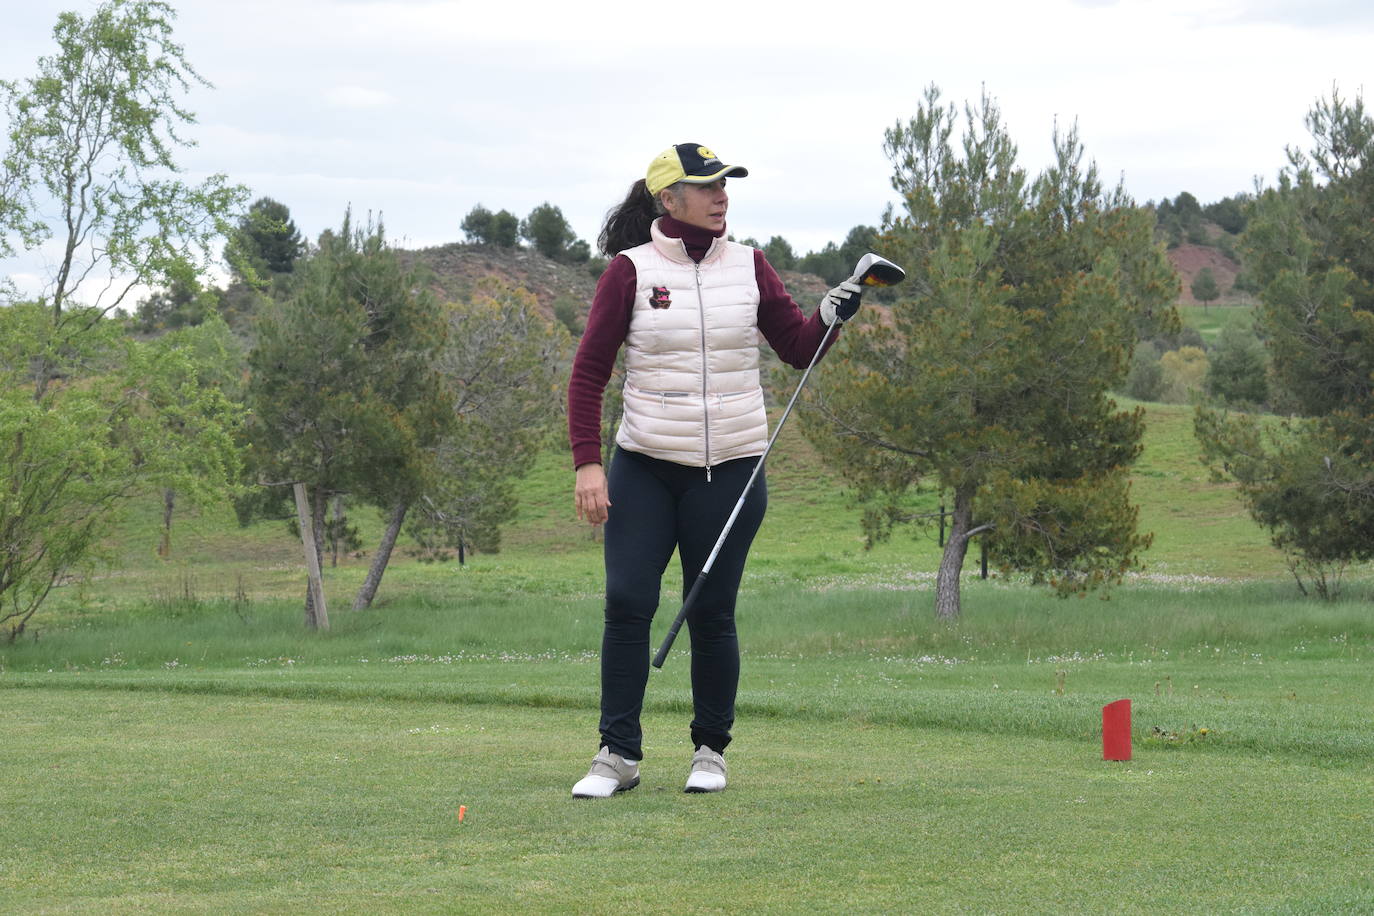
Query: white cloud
[357, 97]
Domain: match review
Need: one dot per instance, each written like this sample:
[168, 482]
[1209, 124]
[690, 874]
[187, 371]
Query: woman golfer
[689, 307]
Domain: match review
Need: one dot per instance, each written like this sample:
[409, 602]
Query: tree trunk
[319, 508]
[952, 560]
[316, 613]
[169, 502]
[337, 531]
[382, 557]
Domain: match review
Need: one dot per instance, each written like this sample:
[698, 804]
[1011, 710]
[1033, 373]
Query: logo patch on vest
[660, 299]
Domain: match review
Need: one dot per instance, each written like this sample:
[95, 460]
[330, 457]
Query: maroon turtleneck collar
[696, 239]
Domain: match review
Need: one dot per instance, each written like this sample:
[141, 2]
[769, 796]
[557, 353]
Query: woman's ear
[668, 200]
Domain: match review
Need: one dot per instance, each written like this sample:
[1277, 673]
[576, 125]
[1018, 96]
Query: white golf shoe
[708, 771]
[610, 773]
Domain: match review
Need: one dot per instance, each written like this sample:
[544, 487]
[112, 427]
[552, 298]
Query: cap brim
[730, 171]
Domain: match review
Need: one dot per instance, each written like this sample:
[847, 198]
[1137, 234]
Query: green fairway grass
[225, 762]
[202, 804]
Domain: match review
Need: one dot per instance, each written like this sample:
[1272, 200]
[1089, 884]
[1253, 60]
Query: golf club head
[874, 270]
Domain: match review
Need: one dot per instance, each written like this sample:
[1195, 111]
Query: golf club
[871, 270]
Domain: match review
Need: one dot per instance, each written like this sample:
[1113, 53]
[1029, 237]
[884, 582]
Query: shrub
[1146, 379]
[1185, 371]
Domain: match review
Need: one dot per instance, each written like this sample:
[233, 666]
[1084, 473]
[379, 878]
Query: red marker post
[1116, 730]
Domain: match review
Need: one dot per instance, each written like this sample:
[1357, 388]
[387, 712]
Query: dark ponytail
[627, 224]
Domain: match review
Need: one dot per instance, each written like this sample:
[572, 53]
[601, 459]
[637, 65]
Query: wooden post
[983, 542]
[316, 616]
[942, 524]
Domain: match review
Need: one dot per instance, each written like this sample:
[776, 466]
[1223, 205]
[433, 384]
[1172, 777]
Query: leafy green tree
[1309, 246]
[503, 359]
[990, 376]
[1204, 288]
[89, 418]
[549, 233]
[220, 360]
[115, 421]
[183, 303]
[343, 392]
[86, 136]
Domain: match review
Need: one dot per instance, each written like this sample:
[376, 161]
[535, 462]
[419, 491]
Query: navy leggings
[656, 506]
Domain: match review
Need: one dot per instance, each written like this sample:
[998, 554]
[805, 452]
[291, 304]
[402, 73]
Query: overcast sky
[420, 110]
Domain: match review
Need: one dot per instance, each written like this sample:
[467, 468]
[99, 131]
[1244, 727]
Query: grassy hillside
[811, 536]
[1200, 527]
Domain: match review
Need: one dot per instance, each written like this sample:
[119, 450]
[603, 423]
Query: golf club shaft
[687, 603]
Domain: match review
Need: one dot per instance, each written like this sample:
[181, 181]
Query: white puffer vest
[692, 392]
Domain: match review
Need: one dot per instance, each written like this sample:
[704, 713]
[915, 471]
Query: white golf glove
[841, 302]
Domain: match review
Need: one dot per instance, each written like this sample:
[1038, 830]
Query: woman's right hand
[591, 495]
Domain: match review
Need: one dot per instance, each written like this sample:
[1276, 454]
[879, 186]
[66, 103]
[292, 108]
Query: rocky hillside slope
[458, 267]
[1189, 260]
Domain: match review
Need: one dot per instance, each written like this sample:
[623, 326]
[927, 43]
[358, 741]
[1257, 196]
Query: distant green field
[811, 532]
[1210, 319]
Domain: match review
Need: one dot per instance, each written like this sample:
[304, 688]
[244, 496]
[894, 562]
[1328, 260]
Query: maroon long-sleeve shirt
[792, 335]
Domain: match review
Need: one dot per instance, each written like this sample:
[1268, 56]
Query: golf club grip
[662, 655]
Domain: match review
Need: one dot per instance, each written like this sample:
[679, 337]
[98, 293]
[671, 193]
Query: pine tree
[344, 395]
[1309, 244]
[989, 377]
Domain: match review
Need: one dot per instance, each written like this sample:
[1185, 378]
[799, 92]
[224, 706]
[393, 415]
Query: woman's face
[701, 205]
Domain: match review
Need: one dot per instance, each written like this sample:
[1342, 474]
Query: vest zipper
[705, 372]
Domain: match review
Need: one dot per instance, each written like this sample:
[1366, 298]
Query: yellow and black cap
[689, 162]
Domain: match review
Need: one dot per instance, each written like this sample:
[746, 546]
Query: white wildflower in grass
[454, 658]
[1073, 658]
[1183, 583]
[283, 661]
